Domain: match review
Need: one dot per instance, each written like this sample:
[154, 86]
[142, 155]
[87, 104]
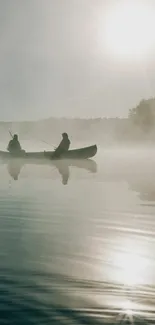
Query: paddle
[10, 134]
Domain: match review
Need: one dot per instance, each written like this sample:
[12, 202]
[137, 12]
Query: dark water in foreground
[78, 244]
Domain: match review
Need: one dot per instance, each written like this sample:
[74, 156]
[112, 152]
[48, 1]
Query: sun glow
[129, 29]
[132, 268]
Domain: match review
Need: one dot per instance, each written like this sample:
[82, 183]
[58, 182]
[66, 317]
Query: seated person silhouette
[63, 146]
[14, 146]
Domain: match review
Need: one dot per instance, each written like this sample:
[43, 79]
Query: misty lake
[78, 242]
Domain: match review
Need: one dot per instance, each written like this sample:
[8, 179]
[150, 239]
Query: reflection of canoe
[83, 153]
[14, 166]
[87, 164]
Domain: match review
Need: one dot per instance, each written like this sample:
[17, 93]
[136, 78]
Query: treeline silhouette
[139, 126]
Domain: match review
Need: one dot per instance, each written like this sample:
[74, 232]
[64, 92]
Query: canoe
[82, 153]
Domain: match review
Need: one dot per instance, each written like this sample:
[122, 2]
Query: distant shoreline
[108, 131]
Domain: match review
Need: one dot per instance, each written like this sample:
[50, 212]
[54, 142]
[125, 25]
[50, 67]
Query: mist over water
[77, 236]
[80, 252]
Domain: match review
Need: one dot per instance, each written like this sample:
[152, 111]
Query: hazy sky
[55, 59]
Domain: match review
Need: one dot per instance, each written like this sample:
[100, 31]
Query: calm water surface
[78, 242]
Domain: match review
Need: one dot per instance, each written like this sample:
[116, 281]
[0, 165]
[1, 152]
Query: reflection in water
[140, 177]
[83, 255]
[132, 265]
[145, 188]
[14, 167]
[42, 298]
[63, 169]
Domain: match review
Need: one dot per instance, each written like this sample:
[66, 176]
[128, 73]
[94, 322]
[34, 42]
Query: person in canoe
[14, 146]
[63, 146]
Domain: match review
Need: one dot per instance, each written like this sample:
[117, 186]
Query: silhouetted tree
[144, 114]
